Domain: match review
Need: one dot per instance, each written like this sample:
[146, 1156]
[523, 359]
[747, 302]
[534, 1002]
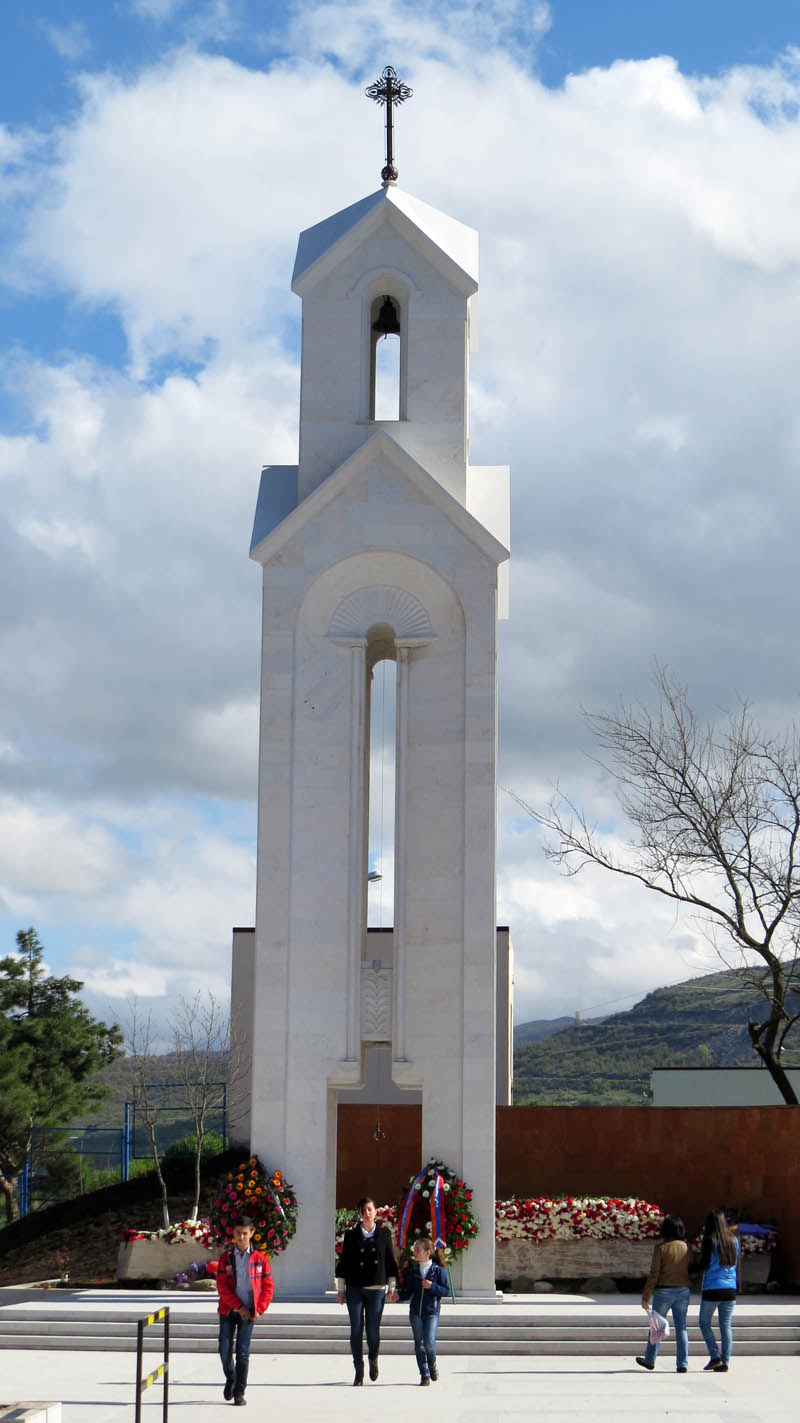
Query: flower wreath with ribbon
[266, 1197]
[436, 1202]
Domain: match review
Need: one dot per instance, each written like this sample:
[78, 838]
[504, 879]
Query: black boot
[358, 1365]
[373, 1368]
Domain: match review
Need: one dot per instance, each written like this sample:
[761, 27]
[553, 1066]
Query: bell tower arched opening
[387, 338]
[381, 771]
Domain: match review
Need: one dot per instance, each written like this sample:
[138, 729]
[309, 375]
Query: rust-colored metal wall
[376, 1168]
[687, 1159]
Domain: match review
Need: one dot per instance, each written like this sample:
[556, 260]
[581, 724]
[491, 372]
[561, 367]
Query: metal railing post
[126, 1144]
[139, 1354]
[162, 1372]
[166, 1363]
[24, 1189]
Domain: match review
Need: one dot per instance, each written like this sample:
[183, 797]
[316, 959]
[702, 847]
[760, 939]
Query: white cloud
[639, 308]
[158, 10]
[45, 851]
[57, 538]
[70, 41]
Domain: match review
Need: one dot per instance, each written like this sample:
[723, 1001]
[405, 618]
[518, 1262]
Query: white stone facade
[373, 552]
[377, 1006]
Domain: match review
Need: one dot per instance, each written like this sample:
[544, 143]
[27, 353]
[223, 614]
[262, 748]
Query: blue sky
[634, 171]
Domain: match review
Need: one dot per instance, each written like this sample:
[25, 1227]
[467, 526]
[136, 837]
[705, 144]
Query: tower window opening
[382, 754]
[386, 335]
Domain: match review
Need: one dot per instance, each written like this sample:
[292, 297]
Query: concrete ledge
[156, 1260]
[30, 1413]
[572, 1259]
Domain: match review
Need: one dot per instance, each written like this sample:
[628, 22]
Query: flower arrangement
[199, 1230]
[176, 1234]
[577, 1218]
[198, 1270]
[267, 1198]
[540, 1218]
[757, 1239]
[753, 1239]
[436, 1202]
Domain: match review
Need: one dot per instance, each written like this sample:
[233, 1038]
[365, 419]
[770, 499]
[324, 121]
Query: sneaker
[434, 1373]
[720, 1368]
[373, 1369]
[712, 1365]
[227, 1392]
[642, 1362]
[425, 1380]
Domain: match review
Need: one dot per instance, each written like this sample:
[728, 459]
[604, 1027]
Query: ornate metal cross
[389, 90]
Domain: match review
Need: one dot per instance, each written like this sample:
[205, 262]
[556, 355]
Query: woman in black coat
[366, 1276]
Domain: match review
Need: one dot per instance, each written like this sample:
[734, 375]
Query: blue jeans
[675, 1299]
[232, 1326]
[364, 1306]
[424, 1327]
[725, 1307]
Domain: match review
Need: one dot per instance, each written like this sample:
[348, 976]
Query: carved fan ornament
[365, 607]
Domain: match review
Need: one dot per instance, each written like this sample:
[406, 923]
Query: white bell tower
[382, 542]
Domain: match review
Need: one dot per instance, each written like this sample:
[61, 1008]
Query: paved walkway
[98, 1387]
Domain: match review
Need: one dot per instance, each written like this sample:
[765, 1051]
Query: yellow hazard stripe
[154, 1376]
[151, 1318]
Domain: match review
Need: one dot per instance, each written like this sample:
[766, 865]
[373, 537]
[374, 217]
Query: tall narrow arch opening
[381, 771]
[386, 358]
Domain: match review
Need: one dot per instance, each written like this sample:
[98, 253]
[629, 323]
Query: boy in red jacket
[245, 1287]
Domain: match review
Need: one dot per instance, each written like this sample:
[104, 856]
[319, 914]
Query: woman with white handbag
[666, 1290]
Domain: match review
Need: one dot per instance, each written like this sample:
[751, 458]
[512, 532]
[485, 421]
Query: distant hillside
[167, 1095]
[702, 1022]
[538, 1029]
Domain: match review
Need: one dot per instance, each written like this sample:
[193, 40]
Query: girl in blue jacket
[719, 1258]
[428, 1283]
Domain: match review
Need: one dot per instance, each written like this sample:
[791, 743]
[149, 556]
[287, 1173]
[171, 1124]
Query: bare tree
[139, 1048]
[206, 1065]
[716, 816]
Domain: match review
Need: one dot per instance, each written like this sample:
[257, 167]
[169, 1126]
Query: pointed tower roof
[327, 242]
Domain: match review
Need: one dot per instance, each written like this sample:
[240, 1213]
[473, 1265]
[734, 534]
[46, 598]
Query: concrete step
[528, 1348]
[489, 1322]
[181, 1330]
[495, 1331]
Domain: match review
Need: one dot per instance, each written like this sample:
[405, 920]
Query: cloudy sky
[634, 171]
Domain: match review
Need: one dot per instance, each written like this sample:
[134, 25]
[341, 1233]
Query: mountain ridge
[701, 1022]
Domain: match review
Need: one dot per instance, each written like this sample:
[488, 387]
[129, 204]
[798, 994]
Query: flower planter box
[157, 1260]
[756, 1268]
[570, 1259]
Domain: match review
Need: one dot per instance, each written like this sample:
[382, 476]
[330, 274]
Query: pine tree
[51, 1049]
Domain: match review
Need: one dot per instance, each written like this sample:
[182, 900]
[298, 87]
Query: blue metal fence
[56, 1165]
